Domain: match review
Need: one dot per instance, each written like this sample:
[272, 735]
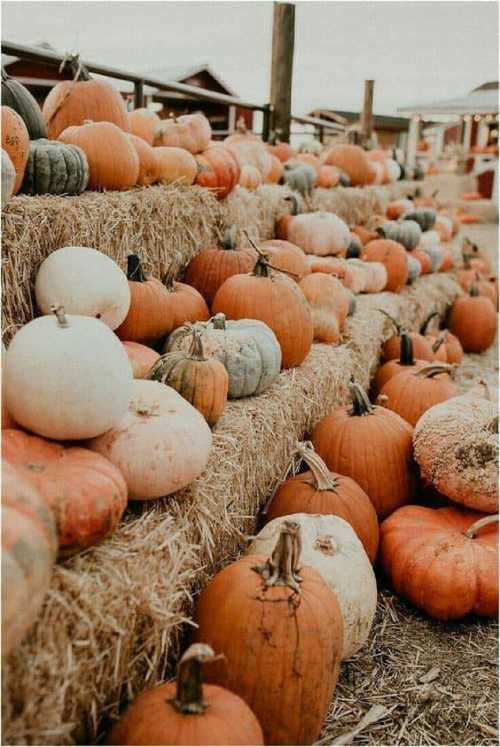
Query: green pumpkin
[15, 95]
[407, 233]
[55, 168]
[425, 217]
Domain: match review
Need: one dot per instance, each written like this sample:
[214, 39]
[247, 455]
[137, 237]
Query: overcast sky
[415, 51]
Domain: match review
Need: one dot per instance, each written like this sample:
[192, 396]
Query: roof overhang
[478, 102]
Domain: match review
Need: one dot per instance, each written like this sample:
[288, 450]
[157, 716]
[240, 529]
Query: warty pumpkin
[143, 123]
[286, 257]
[55, 168]
[86, 493]
[67, 377]
[393, 256]
[84, 281]
[161, 444]
[351, 159]
[187, 712]
[250, 178]
[247, 348]
[175, 164]
[444, 561]
[113, 160]
[411, 393]
[29, 546]
[319, 491]
[191, 132]
[148, 164]
[8, 178]
[456, 447]
[17, 97]
[203, 381]
[141, 358]
[373, 446]
[330, 546]
[405, 362]
[473, 320]
[16, 143]
[275, 300]
[259, 609]
[319, 233]
[218, 170]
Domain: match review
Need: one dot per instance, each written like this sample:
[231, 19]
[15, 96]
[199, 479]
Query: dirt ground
[418, 681]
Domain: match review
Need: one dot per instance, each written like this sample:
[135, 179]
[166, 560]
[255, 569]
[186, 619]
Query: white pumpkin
[360, 275]
[161, 444]
[84, 281]
[393, 170]
[331, 547]
[67, 377]
[429, 239]
[8, 178]
[319, 233]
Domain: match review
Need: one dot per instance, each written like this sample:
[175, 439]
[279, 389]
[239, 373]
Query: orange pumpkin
[16, 143]
[376, 173]
[141, 358]
[406, 362]
[352, 160]
[112, 158]
[452, 347]
[249, 150]
[276, 172]
[218, 169]
[143, 124]
[283, 151]
[411, 393]
[311, 159]
[333, 266]
[250, 178]
[422, 346]
[393, 256]
[191, 132]
[397, 208]
[473, 320]
[319, 289]
[328, 177]
[423, 259]
[86, 493]
[175, 164]
[365, 235]
[286, 257]
[148, 166]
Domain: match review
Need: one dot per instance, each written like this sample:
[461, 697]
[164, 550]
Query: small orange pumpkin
[148, 166]
[328, 177]
[393, 256]
[16, 143]
[406, 362]
[325, 295]
[411, 393]
[352, 160]
[191, 132]
[218, 169]
[473, 320]
[141, 358]
[286, 257]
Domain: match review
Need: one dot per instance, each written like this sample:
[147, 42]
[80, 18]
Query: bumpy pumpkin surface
[55, 168]
[434, 560]
[456, 448]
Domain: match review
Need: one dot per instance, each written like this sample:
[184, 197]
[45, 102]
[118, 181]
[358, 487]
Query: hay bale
[111, 622]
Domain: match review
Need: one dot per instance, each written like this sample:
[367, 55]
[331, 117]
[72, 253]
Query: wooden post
[411, 148]
[282, 68]
[138, 94]
[367, 114]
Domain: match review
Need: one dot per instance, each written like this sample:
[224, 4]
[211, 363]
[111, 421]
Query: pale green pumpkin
[55, 168]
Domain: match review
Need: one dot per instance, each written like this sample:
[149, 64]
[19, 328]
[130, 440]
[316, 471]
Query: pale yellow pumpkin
[175, 164]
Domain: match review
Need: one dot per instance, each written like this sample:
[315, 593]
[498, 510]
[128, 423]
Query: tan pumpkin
[143, 124]
[141, 358]
[323, 295]
[191, 132]
[16, 143]
[377, 277]
[320, 233]
[148, 166]
[249, 150]
[250, 178]
[175, 165]
[359, 272]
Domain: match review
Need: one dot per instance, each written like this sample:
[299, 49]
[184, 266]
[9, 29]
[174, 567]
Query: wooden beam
[367, 113]
[282, 68]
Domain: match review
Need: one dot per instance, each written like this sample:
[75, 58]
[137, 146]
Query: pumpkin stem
[433, 369]
[134, 269]
[219, 321]
[323, 478]
[425, 324]
[484, 522]
[169, 278]
[295, 204]
[76, 68]
[466, 258]
[229, 239]
[492, 426]
[440, 340]
[474, 291]
[196, 350]
[361, 405]
[394, 322]
[406, 350]
[58, 310]
[381, 232]
[189, 693]
[282, 568]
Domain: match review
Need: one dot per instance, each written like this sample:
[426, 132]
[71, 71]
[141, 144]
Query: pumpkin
[175, 165]
[405, 362]
[210, 268]
[397, 208]
[425, 217]
[429, 201]
[456, 448]
[283, 151]
[55, 168]
[275, 300]
[319, 491]
[334, 266]
[187, 711]
[359, 273]
[72, 102]
[310, 159]
[330, 546]
[29, 546]
[260, 609]
[436, 256]
[203, 381]
[393, 256]
[148, 163]
[423, 259]
[365, 235]
[326, 296]
[247, 348]
[8, 178]
[479, 259]
[113, 160]
[286, 257]
[444, 561]
[376, 277]
[411, 393]
[328, 177]
[352, 160]
[141, 358]
[447, 262]
[86, 493]
[473, 320]
[250, 177]
[249, 150]
[422, 347]
[85, 282]
[428, 239]
[452, 347]
[376, 173]
[191, 132]
[282, 224]
[407, 233]
[299, 177]
[66, 377]
[160, 445]
[16, 143]
[487, 288]
[467, 275]
[414, 269]
[311, 146]
[218, 170]
[143, 123]
[319, 233]
[276, 172]
[157, 308]
[17, 97]
[443, 227]
[373, 446]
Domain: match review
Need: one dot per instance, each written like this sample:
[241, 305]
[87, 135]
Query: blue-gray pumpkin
[407, 233]
[55, 168]
[414, 269]
[425, 217]
[15, 95]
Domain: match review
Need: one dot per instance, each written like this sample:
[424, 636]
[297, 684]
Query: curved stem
[406, 350]
[484, 522]
[196, 349]
[78, 71]
[219, 321]
[425, 324]
[440, 340]
[58, 310]
[391, 318]
[323, 478]
[189, 693]
[361, 405]
[134, 269]
[229, 239]
[282, 568]
[433, 369]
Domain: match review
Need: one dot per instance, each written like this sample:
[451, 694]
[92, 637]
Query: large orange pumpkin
[473, 320]
[16, 143]
[444, 561]
[319, 491]
[352, 160]
[393, 256]
[191, 132]
[274, 299]
[86, 493]
[143, 124]
[112, 158]
[175, 165]
[281, 633]
[187, 712]
[218, 169]
[422, 345]
[411, 393]
[148, 167]
[286, 257]
[373, 446]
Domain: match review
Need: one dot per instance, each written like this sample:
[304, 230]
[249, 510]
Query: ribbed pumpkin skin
[15, 141]
[17, 97]
[70, 104]
[141, 358]
[175, 164]
[407, 233]
[282, 650]
[113, 160]
[55, 168]
[86, 493]
[375, 450]
[435, 566]
[143, 124]
[474, 321]
[152, 719]
[352, 160]
[250, 178]
[392, 368]
[211, 268]
[329, 305]
[410, 395]
[148, 166]
[29, 546]
[393, 256]
[191, 132]
[218, 169]
[287, 257]
[299, 495]
[422, 347]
